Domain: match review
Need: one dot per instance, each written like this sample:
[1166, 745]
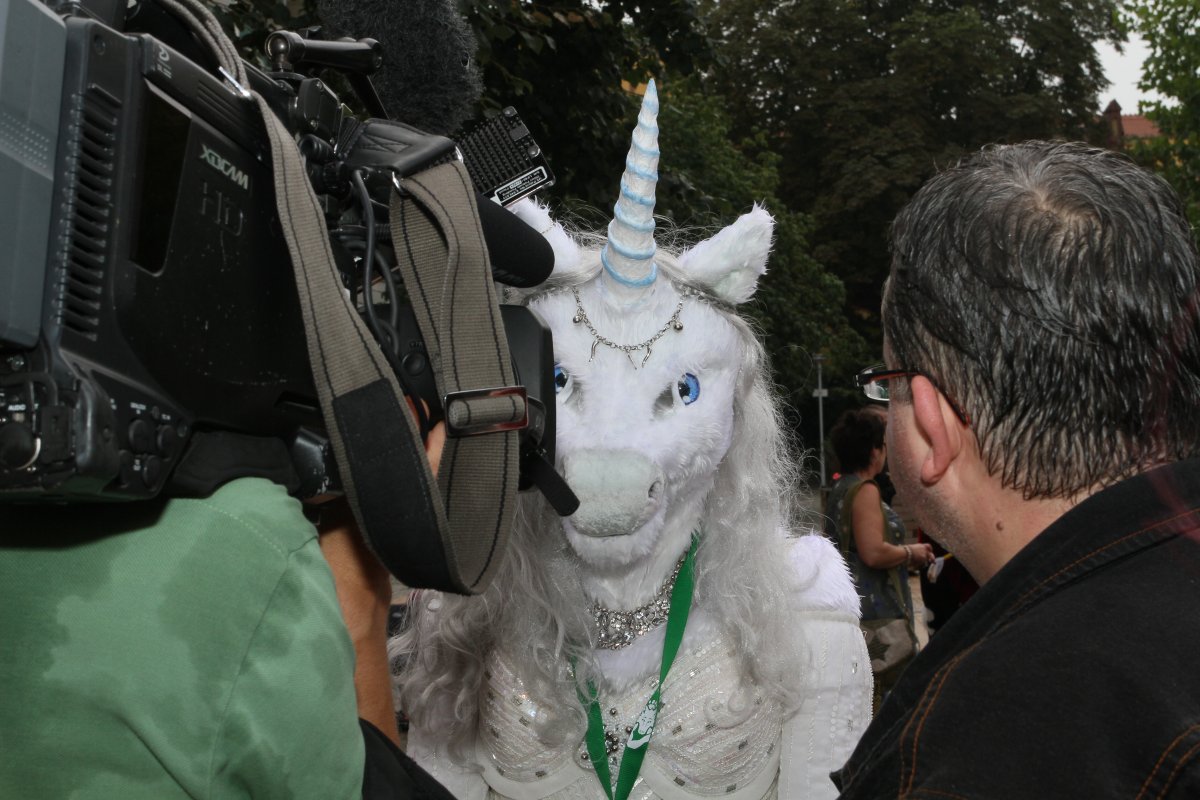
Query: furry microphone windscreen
[429, 78]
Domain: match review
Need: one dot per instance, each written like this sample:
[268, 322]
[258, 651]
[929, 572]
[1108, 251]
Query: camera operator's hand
[364, 592]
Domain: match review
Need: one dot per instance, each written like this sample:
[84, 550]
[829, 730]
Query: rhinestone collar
[616, 629]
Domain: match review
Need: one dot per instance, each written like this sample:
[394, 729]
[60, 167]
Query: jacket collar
[1122, 519]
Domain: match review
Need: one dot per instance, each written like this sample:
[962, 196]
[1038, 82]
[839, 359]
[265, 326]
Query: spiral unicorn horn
[628, 255]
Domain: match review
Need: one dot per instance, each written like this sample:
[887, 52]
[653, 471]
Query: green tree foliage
[705, 183]
[866, 99]
[1171, 29]
[562, 65]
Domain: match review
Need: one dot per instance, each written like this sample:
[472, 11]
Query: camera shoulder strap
[442, 258]
[449, 539]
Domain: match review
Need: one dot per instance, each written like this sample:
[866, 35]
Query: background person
[1043, 354]
[945, 586]
[871, 537]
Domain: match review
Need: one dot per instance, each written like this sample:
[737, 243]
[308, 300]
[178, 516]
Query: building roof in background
[1126, 126]
[1138, 127]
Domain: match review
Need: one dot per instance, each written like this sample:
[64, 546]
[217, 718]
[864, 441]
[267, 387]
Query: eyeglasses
[874, 380]
[874, 383]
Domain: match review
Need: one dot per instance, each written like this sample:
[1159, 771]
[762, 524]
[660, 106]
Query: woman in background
[870, 536]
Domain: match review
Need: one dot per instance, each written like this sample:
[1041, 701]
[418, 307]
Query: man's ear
[940, 426]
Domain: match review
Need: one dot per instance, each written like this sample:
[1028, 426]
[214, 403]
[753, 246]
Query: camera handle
[356, 59]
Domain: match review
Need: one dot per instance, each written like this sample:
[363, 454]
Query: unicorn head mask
[651, 360]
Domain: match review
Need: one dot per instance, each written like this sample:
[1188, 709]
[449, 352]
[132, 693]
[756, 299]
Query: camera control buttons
[18, 446]
[141, 436]
[168, 441]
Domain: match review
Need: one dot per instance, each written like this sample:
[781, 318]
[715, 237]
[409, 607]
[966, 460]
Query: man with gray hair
[1042, 338]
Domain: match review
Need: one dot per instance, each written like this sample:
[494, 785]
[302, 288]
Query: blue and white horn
[628, 255]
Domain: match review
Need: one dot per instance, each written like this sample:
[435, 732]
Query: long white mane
[536, 608]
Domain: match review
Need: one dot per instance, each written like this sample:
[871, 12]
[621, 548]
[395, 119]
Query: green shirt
[186, 648]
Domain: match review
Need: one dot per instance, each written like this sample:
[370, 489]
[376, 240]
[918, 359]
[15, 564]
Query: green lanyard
[639, 737]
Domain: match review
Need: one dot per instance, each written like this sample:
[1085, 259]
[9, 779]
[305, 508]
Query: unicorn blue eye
[689, 388]
[561, 378]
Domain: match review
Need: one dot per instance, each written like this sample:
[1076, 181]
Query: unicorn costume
[670, 639]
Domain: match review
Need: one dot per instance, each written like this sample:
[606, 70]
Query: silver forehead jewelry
[628, 349]
[616, 629]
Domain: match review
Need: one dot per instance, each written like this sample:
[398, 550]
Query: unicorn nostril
[618, 490]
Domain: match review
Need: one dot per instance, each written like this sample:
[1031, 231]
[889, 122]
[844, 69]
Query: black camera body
[151, 339]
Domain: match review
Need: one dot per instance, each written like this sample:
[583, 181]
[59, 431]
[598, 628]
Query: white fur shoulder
[822, 580]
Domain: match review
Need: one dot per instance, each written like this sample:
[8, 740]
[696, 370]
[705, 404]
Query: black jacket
[1074, 672]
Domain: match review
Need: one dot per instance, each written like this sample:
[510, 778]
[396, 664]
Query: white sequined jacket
[713, 737]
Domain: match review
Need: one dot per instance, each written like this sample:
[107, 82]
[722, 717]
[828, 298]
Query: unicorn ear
[567, 253]
[730, 263]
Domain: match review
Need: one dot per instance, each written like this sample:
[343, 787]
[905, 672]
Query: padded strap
[378, 450]
[444, 263]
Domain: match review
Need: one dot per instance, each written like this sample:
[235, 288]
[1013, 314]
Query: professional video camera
[151, 337]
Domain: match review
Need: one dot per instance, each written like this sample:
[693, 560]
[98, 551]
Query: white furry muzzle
[618, 491]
